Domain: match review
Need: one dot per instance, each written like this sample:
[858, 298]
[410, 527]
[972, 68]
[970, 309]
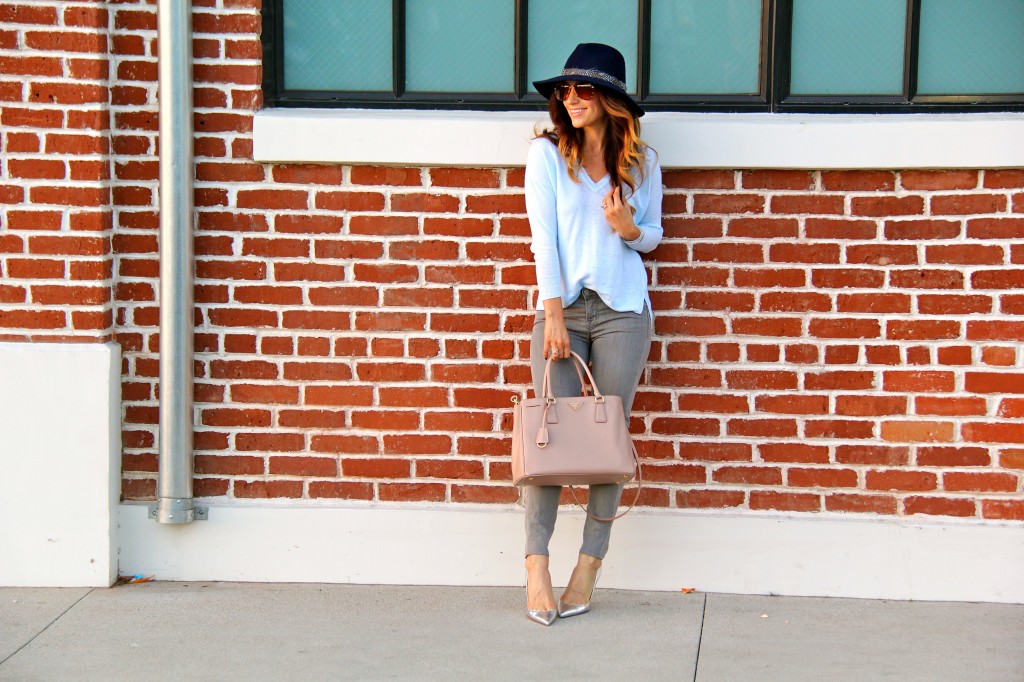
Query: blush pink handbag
[572, 441]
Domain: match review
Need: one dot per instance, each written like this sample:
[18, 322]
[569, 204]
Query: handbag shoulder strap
[636, 495]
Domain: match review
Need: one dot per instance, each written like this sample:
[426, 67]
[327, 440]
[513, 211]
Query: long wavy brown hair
[624, 151]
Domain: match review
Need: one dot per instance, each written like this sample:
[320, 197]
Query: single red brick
[858, 181]
[267, 489]
[407, 492]
[302, 466]
[804, 253]
[272, 199]
[992, 433]
[496, 203]
[917, 431]
[821, 478]
[863, 504]
[899, 479]
[887, 206]
[812, 204]
[315, 174]
[270, 442]
[940, 179]
[918, 230]
[339, 444]
[697, 499]
[495, 494]
[699, 179]
[1009, 510]
[776, 179]
[749, 475]
[378, 467]
[232, 465]
[441, 468]
[463, 177]
[980, 481]
[939, 506]
[308, 272]
[995, 228]
[793, 452]
[138, 488]
[967, 204]
[32, 319]
[728, 203]
[953, 456]
[780, 501]
[350, 490]
[417, 444]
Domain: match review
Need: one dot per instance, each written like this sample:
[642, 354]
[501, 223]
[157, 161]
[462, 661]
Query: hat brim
[546, 87]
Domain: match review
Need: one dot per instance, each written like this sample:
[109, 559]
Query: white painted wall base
[60, 462]
[747, 553]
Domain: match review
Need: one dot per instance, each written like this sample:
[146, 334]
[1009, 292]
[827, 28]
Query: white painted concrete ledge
[749, 553]
[60, 463]
[683, 140]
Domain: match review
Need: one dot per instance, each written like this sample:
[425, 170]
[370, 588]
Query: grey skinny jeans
[616, 345]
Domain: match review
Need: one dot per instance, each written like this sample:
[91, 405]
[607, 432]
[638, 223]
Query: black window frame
[774, 76]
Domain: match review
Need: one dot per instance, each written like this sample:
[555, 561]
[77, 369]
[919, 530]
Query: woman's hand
[619, 214]
[556, 336]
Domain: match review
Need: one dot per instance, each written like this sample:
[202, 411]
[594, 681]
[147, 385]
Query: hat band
[594, 73]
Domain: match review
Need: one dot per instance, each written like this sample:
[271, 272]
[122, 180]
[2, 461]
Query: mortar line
[700, 637]
[38, 634]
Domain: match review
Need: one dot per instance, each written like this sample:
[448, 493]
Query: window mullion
[910, 58]
[779, 57]
[272, 41]
[643, 58]
[398, 47]
[519, 59]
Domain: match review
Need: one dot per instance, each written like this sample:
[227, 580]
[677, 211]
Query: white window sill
[683, 140]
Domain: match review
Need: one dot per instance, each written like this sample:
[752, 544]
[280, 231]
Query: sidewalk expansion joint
[37, 635]
[700, 637]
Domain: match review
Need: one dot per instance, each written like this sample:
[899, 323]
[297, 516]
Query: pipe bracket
[177, 511]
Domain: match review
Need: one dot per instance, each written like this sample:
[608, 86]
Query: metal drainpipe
[174, 480]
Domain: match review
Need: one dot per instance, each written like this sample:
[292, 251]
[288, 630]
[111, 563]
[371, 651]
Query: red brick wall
[56, 262]
[826, 341]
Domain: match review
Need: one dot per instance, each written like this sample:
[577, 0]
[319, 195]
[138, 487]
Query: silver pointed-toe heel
[567, 610]
[542, 616]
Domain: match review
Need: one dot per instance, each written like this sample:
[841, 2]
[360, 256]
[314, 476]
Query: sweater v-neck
[591, 183]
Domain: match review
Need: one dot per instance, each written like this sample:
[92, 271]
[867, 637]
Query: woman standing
[593, 196]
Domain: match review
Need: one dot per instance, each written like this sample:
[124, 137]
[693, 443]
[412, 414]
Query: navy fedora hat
[593, 63]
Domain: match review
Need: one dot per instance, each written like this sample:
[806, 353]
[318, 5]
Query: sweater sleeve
[649, 222]
[541, 209]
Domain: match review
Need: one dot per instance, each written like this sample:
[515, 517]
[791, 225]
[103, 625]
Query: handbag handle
[546, 390]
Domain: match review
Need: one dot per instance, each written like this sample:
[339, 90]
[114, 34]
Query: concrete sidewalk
[231, 631]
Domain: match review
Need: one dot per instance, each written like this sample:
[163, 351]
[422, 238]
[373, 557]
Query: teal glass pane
[460, 45]
[557, 27]
[974, 47]
[705, 47]
[337, 44]
[848, 48]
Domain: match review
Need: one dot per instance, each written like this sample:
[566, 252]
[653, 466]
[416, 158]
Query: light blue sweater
[573, 244]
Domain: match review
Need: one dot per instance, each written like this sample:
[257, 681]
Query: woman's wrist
[553, 308]
[630, 233]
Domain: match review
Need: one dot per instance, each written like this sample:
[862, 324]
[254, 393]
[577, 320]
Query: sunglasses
[584, 91]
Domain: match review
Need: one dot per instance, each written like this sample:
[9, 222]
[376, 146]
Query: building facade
[832, 402]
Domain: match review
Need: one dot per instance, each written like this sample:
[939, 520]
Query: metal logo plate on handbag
[576, 406]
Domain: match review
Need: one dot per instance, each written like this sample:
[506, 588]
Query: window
[681, 55]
